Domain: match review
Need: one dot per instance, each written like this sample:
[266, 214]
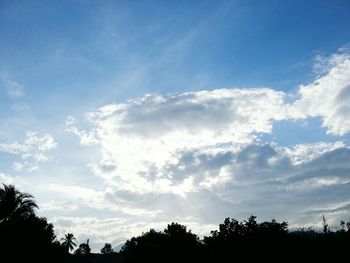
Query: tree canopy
[15, 204]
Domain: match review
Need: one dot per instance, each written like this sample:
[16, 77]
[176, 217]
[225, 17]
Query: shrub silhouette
[83, 249]
[107, 249]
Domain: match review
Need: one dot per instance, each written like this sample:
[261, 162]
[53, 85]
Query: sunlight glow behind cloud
[144, 142]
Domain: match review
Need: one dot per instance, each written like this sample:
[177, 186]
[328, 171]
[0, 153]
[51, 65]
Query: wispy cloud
[12, 87]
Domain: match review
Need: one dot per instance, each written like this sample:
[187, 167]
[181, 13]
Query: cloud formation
[32, 151]
[149, 143]
[328, 96]
[142, 136]
[198, 157]
[260, 179]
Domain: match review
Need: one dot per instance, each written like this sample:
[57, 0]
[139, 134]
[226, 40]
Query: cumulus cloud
[303, 153]
[86, 138]
[32, 151]
[328, 96]
[200, 156]
[140, 137]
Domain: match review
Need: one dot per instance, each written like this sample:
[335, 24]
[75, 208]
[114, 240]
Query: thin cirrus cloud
[12, 87]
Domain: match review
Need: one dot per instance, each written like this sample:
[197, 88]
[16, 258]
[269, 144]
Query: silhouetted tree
[83, 249]
[307, 230]
[325, 225]
[68, 242]
[107, 249]
[251, 225]
[15, 204]
[342, 226]
[179, 232]
[174, 244]
[20, 227]
[273, 228]
[348, 226]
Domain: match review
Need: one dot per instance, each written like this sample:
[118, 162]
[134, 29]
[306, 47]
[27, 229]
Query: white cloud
[146, 134]
[18, 181]
[58, 206]
[32, 151]
[18, 167]
[6, 179]
[303, 153]
[235, 183]
[140, 139]
[86, 138]
[328, 96]
[318, 182]
[43, 142]
[199, 156]
[13, 88]
[92, 198]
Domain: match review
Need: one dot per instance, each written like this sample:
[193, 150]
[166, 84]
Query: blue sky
[139, 108]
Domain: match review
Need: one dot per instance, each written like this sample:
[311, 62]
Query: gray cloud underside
[254, 185]
[197, 157]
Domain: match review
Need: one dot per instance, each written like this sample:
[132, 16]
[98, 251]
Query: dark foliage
[175, 244]
[83, 249]
[234, 241]
[31, 237]
[68, 242]
[107, 249]
[24, 237]
[22, 233]
[15, 204]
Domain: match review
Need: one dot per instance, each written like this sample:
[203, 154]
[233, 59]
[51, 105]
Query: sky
[121, 116]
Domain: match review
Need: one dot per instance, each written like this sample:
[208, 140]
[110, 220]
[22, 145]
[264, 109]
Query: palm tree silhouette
[68, 242]
[15, 204]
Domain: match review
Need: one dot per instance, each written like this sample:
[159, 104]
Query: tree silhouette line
[25, 237]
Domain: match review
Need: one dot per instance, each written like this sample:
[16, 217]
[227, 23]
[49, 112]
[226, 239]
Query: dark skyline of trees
[21, 228]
